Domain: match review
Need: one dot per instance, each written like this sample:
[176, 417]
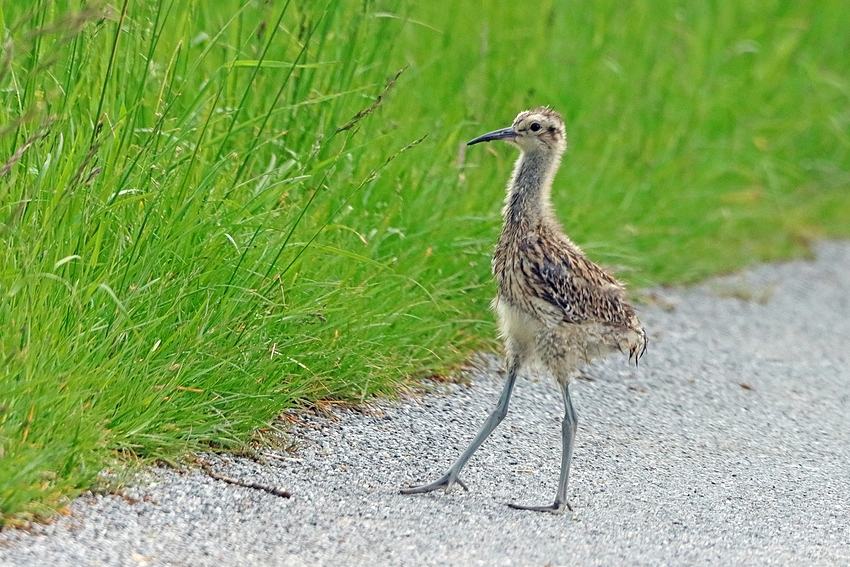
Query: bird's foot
[447, 481]
[556, 508]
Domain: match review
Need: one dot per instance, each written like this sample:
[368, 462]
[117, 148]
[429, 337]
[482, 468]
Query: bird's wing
[584, 292]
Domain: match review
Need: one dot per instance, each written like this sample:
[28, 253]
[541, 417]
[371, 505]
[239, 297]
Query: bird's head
[538, 130]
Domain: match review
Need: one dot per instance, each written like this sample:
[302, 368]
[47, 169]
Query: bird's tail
[637, 343]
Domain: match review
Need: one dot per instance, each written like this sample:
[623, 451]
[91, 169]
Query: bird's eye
[535, 127]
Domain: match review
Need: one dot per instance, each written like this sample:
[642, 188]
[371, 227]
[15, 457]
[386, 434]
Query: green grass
[195, 237]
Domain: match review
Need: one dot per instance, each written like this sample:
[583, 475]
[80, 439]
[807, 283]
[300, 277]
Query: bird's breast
[516, 285]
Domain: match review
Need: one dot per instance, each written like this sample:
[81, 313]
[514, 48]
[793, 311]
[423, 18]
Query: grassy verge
[207, 217]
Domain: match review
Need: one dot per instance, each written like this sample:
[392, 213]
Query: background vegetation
[214, 211]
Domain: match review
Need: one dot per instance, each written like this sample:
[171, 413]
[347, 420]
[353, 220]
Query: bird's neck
[529, 194]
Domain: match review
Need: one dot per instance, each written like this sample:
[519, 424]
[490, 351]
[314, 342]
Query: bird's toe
[556, 508]
[446, 482]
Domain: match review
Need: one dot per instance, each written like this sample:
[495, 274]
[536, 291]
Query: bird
[557, 310]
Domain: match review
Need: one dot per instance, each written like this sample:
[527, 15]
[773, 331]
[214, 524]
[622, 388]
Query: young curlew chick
[556, 308]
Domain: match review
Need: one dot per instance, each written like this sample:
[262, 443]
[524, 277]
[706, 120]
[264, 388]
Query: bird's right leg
[448, 480]
[568, 436]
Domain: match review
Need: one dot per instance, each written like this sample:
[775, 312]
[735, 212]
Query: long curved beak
[503, 134]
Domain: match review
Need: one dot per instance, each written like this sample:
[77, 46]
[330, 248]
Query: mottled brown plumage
[556, 308]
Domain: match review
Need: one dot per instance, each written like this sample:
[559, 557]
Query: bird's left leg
[568, 433]
[448, 480]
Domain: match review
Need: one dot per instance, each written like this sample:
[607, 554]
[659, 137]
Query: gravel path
[729, 446]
